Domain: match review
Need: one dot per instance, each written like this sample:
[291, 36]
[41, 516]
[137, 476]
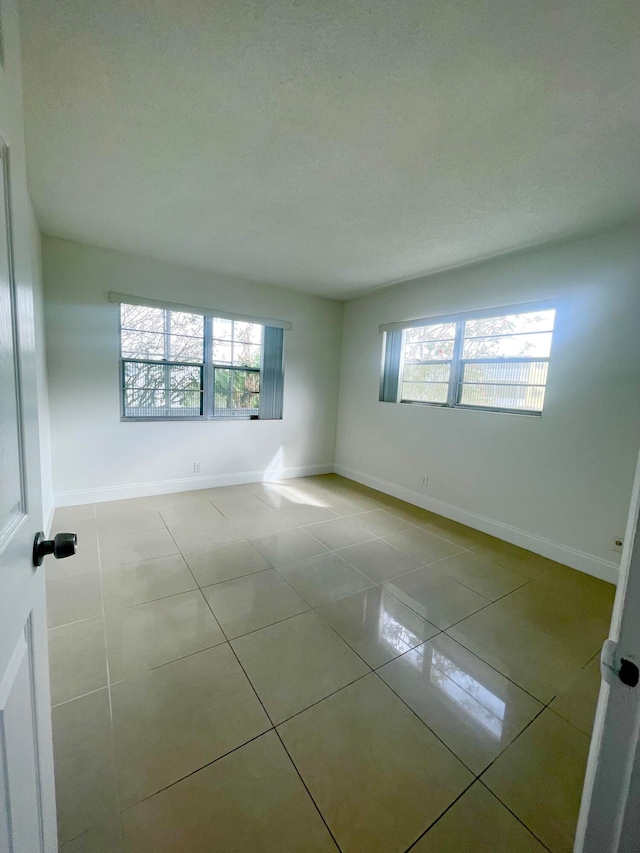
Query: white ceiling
[330, 146]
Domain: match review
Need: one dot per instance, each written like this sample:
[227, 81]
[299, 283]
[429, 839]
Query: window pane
[145, 336]
[181, 323]
[250, 333]
[525, 397]
[158, 390]
[425, 392]
[428, 351]
[435, 332]
[537, 345]
[426, 372]
[508, 373]
[185, 349]
[143, 345]
[246, 354]
[142, 317]
[236, 392]
[222, 329]
[534, 321]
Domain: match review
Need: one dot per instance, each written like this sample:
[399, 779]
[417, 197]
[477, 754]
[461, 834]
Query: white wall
[96, 457]
[560, 484]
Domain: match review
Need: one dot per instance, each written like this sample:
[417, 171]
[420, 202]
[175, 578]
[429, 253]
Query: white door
[610, 812]
[27, 802]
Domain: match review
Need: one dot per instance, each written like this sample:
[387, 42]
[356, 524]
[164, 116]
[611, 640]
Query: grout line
[530, 831]
[328, 696]
[373, 584]
[80, 696]
[440, 816]
[196, 770]
[322, 817]
[116, 772]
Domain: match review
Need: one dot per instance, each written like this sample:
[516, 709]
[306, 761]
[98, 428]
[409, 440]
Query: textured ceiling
[330, 145]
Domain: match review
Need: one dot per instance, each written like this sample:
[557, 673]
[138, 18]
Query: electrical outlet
[425, 481]
[617, 544]
[196, 467]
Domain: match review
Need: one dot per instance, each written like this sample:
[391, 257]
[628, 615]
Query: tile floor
[315, 666]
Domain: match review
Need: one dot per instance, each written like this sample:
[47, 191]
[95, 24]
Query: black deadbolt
[62, 545]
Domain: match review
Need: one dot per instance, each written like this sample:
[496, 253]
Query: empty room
[319, 426]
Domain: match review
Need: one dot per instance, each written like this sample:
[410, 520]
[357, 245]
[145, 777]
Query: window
[496, 363]
[178, 364]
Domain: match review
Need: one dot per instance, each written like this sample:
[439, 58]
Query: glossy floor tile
[202, 514]
[136, 521]
[324, 578]
[403, 658]
[526, 654]
[157, 632]
[438, 599]
[478, 573]
[71, 513]
[478, 823]
[175, 719]
[77, 659]
[104, 837]
[252, 799]
[196, 537]
[378, 560]
[254, 523]
[224, 562]
[424, 546]
[576, 702]
[379, 522]
[376, 625]
[378, 775]
[72, 598]
[295, 663]
[524, 563]
[288, 546]
[452, 531]
[124, 586]
[580, 624]
[470, 706]
[540, 777]
[85, 769]
[338, 533]
[117, 550]
[252, 602]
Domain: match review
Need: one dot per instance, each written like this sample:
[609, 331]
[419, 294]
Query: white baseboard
[163, 487]
[604, 569]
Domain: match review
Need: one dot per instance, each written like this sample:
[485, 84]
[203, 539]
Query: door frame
[610, 808]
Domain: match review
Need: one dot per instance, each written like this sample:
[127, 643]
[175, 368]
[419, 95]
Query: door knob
[62, 545]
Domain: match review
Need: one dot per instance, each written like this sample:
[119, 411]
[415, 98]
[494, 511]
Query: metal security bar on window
[495, 363]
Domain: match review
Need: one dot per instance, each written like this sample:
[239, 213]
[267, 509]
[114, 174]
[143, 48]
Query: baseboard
[162, 487]
[588, 563]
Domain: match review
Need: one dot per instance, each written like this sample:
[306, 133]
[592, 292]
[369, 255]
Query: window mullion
[456, 365]
[167, 358]
[208, 381]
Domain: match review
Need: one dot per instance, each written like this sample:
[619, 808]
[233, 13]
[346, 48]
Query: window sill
[461, 407]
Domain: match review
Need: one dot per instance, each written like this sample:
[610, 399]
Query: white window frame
[207, 372]
[457, 362]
